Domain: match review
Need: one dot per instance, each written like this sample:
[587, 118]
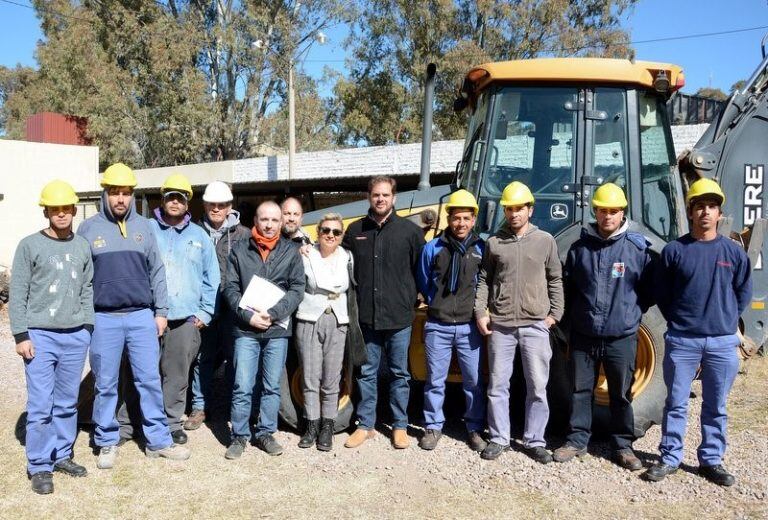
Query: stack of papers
[262, 295]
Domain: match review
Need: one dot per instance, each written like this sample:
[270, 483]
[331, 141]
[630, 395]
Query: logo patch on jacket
[617, 271]
[99, 243]
[138, 238]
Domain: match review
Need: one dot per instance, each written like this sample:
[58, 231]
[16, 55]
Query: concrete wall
[25, 168]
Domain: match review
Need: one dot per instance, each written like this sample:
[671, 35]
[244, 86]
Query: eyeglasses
[327, 231]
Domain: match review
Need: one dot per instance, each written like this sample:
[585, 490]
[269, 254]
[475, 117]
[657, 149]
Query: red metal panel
[50, 127]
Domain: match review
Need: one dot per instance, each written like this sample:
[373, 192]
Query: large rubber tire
[649, 391]
[291, 400]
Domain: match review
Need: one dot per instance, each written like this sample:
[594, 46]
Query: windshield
[532, 141]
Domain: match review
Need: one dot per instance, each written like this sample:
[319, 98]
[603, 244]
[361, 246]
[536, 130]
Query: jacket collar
[592, 233]
[505, 232]
[178, 227]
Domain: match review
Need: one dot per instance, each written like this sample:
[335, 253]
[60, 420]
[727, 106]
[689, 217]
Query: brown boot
[195, 420]
[358, 437]
[627, 459]
[400, 439]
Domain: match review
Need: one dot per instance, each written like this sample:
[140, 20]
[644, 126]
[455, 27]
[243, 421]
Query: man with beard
[447, 279]
[222, 223]
[292, 215]
[386, 250]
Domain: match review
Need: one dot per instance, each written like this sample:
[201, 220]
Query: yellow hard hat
[704, 187]
[118, 175]
[462, 199]
[609, 196]
[516, 194]
[177, 182]
[58, 193]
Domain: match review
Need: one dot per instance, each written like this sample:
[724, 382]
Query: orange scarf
[266, 245]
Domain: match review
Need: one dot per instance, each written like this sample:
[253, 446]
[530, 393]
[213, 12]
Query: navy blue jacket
[608, 283]
[703, 286]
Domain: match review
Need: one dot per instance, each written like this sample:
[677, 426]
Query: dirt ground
[377, 481]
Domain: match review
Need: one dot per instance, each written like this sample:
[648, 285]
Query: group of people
[165, 297]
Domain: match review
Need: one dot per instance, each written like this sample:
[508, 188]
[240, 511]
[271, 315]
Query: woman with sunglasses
[321, 330]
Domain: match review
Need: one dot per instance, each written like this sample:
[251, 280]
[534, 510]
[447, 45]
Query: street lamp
[320, 38]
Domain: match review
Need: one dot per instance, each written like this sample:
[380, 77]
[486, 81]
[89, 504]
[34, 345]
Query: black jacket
[386, 259]
[283, 268]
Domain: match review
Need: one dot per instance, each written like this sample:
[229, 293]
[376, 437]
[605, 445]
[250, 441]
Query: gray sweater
[51, 285]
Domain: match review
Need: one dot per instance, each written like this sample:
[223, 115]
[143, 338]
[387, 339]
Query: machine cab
[564, 127]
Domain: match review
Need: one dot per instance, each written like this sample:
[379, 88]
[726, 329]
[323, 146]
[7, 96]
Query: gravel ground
[378, 481]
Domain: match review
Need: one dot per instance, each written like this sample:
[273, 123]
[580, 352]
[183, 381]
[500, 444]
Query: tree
[11, 81]
[739, 85]
[712, 93]
[164, 84]
[392, 41]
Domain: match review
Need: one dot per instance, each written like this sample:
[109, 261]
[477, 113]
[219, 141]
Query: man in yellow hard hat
[131, 303]
[703, 285]
[192, 276]
[608, 286]
[447, 278]
[519, 298]
[51, 314]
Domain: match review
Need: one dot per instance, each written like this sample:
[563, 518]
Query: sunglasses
[327, 231]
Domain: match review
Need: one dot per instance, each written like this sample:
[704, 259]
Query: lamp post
[320, 38]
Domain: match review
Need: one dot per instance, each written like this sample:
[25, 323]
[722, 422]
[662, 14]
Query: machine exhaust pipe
[426, 132]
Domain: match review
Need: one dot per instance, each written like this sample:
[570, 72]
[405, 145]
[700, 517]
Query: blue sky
[716, 61]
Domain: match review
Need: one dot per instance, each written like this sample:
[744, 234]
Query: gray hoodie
[520, 280]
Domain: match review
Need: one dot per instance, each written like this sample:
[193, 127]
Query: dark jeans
[617, 356]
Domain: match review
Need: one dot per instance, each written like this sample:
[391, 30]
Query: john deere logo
[558, 211]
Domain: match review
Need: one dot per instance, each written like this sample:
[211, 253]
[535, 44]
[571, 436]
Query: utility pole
[291, 123]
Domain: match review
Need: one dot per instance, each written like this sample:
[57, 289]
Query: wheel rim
[345, 388]
[645, 366]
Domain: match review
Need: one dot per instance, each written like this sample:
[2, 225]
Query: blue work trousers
[53, 381]
[719, 361]
[215, 347]
[258, 367]
[440, 339]
[394, 345]
[135, 331]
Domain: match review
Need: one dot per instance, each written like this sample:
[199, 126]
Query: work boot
[358, 437]
[430, 439]
[627, 459]
[400, 439]
[325, 439]
[269, 445]
[179, 437]
[107, 456]
[42, 482]
[476, 442]
[310, 434]
[567, 452]
[539, 454]
[658, 472]
[236, 448]
[493, 450]
[717, 474]
[70, 467]
[172, 452]
[195, 420]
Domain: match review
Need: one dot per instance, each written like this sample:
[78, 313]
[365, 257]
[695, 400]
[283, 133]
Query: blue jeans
[215, 338]
[394, 344]
[719, 363]
[258, 367]
[439, 339]
[137, 332]
[53, 382]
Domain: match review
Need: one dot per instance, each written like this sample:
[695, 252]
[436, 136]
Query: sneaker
[717, 474]
[476, 442]
[567, 452]
[42, 482]
[172, 452]
[269, 445]
[430, 439]
[493, 450]
[310, 434]
[71, 468]
[195, 420]
[325, 437]
[358, 437]
[179, 437]
[236, 448]
[627, 459]
[658, 472]
[539, 454]
[107, 456]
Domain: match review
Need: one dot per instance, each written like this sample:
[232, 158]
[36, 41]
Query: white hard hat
[217, 191]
